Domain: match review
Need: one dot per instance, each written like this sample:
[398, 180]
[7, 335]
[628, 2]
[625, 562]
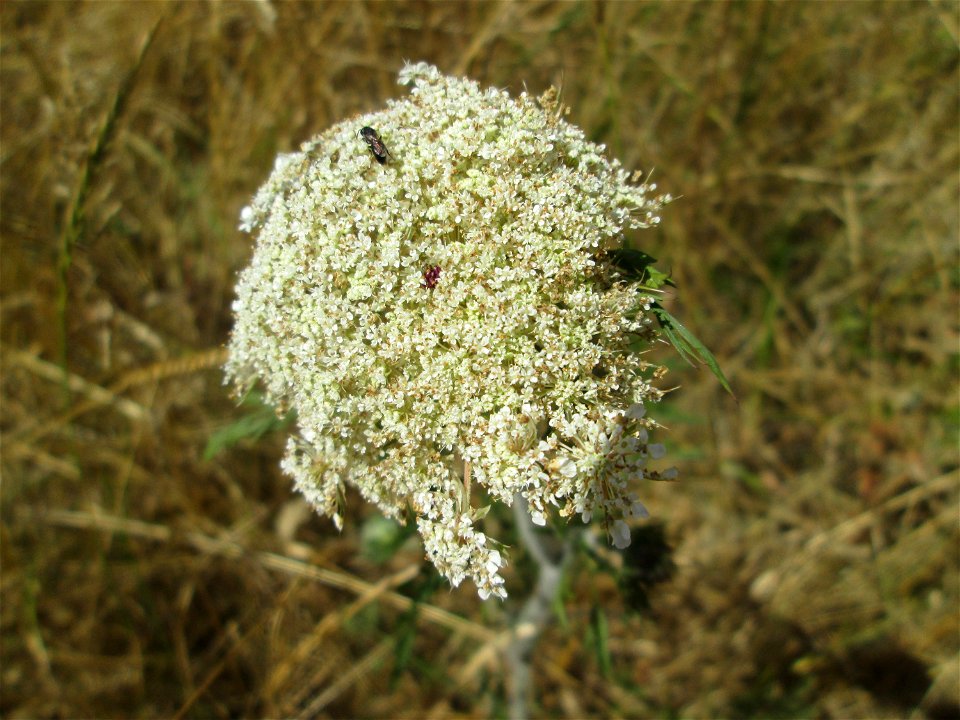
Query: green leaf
[480, 513]
[404, 636]
[639, 265]
[405, 630]
[687, 345]
[260, 421]
[381, 538]
[559, 610]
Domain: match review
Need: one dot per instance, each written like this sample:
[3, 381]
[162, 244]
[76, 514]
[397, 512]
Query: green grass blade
[75, 218]
[256, 424]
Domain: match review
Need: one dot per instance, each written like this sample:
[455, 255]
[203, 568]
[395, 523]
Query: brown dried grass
[816, 248]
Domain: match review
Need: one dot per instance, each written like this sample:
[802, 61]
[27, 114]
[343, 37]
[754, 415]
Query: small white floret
[620, 534]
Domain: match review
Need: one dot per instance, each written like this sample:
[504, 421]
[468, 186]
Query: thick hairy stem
[535, 614]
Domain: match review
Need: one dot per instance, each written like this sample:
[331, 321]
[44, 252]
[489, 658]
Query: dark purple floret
[430, 277]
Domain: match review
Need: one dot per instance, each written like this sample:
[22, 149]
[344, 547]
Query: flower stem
[535, 613]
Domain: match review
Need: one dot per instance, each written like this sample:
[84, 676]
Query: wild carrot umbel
[451, 320]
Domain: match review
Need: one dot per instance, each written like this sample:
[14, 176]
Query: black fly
[373, 141]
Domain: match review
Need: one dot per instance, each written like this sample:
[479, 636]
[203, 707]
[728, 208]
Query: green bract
[450, 319]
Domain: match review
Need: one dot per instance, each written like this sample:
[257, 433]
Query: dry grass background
[816, 248]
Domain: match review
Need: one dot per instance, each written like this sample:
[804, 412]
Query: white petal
[246, 219]
[603, 443]
[620, 534]
[636, 411]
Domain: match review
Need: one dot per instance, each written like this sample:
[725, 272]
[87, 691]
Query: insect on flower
[373, 141]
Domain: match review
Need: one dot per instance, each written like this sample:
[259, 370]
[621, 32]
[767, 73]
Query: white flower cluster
[449, 318]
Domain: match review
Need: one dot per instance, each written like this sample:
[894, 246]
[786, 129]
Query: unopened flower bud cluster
[447, 325]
